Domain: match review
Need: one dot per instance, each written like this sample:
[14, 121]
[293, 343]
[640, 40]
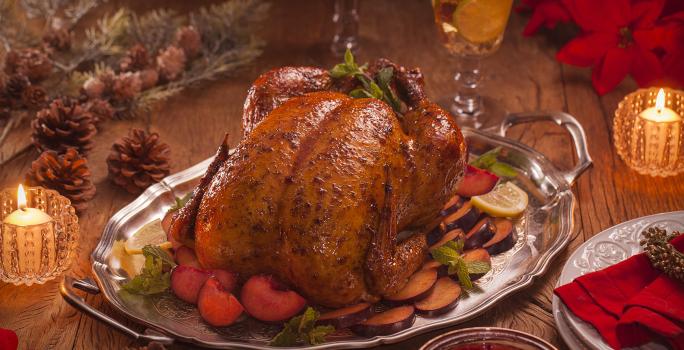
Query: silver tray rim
[564, 193]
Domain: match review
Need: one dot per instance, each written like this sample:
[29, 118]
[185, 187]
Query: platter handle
[89, 286]
[565, 120]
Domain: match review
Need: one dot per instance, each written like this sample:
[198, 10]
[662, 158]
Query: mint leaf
[478, 267]
[349, 58]
[180, 202]
[163, 255]
[152, 279]
[489, 161]
[360, 93]
[445, 255]
[462, 273]
[456, 245]
[503, 170]
[340, 71]
[302, 328]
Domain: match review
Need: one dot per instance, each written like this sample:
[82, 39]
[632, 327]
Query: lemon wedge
[151, 233]
[482, 21]
[505, 200]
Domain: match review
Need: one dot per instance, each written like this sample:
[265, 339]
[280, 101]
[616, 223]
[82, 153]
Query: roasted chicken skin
[321, 184]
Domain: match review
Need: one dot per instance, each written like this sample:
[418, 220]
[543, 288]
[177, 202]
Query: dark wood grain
[522, 76]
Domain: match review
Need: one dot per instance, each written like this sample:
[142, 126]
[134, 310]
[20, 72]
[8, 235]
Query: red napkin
[8, 339]
[630, 303]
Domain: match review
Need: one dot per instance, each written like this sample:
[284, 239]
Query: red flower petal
[599, 15]
[674, 69]
[8, 339]
[611, 70]
[651, 38]
[548, 14]
[646, 12]
[645, 66]
[587, 50]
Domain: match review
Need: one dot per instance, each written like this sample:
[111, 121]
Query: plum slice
[453, 204]
[436, 234]
[476, 182]
[346, 316]
[449, 236]
[228, 279]
[388, 322]
[442, 299]
[480, 255]
[503, 239]
[463, 218]
[217, 306]
[266, 299]
[186, 256]
[417, 287]
[186, 282]
[482, 232]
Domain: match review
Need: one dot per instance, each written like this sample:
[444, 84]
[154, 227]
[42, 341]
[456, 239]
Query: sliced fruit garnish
[150, 234]
[266, 299]
[417, 287]
[476, 182]
[388, 322]
[442, 299]
[217, 306]
[481, 21]
[506, 200]
[347, 316]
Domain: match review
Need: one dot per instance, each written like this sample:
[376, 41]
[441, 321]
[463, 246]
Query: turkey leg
[389, 264]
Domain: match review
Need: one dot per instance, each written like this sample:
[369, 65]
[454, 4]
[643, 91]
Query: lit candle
[661, 129]
[28, 236]
[25, 216]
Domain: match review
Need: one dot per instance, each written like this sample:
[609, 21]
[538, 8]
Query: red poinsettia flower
[618, 38]
[545, 13]
[673, 45]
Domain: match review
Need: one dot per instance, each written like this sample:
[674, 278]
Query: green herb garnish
[378, 88]
[180, 201]
[153, 278]
[489, 161]
[450, 255]
[302, 328]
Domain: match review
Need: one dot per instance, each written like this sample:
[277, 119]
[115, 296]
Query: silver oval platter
[542, 232]
[607, 248]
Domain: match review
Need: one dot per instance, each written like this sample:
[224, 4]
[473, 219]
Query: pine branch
[154, 29]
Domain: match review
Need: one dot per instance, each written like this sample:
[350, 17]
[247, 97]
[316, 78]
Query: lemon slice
[482, 21]
[505, 200]
[150, 234]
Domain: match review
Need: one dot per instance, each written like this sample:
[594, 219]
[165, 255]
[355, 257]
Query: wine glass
[470, 30]
[346, 20]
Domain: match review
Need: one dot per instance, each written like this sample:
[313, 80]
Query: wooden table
[522, 76]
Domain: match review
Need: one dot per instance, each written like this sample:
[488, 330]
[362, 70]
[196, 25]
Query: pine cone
[94, 87]
[171, 63]
[149, 78]
[32, 63]
[138, 160]
[58, 39]
[136, 59]
[34, 97]
[66, 173]
[100, 109]
[63, 124]
[126, 86]
[15, 86]
[189, 39]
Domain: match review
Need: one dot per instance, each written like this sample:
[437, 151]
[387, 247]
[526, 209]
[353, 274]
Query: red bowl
[486, 338]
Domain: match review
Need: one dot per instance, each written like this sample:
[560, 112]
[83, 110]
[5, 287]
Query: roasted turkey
[321, 185]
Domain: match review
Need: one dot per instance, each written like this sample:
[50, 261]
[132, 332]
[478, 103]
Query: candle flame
[660, 100]
[21, 197]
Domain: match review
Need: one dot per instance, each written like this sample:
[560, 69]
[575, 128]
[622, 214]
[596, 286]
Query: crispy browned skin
[318, 190]
[276, 86]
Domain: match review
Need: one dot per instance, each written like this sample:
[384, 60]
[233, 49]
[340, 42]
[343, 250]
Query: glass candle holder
[37, 253]
[651, 146]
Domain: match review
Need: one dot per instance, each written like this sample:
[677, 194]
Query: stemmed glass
[470, 30]
[346, 20]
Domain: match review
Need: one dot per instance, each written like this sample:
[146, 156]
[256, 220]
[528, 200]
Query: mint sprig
[180, 201]
[489, 161]
[302, 328]
[155, 277]
[378, 88]
[450, 255]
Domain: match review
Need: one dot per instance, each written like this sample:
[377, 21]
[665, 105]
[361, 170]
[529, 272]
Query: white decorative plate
[606, 248]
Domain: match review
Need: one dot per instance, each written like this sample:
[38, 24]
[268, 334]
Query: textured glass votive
[37, 253]
[650, 147]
